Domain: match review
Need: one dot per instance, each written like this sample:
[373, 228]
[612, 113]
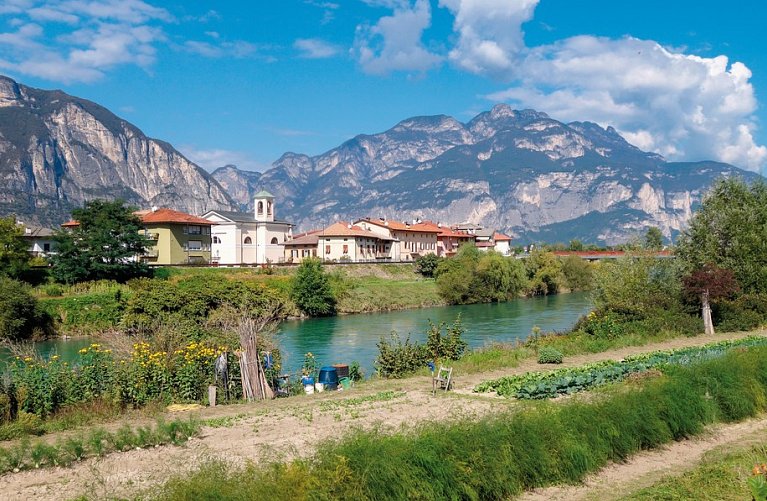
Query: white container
[309, 389]
[319, 387]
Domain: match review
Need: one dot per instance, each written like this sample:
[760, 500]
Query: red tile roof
[500, 236]
[309, 238]
[343, 229]
[427, 227]
[172, 216]
[158, 216]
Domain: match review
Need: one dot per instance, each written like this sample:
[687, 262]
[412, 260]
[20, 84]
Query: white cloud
[394, 42]
[314, 48]
[236, 49]
[214, 158]
[489, 33]
[102, 35]
[681, 106]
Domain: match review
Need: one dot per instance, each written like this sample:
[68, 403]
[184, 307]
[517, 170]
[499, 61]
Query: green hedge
[502, 455]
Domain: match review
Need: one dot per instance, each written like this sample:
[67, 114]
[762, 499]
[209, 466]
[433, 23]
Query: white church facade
[247, 238]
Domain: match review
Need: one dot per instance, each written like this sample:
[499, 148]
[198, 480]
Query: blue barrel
[329, 378]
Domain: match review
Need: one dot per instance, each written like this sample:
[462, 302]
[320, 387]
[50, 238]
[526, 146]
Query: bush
[20, 315]
[747, 312]
[396, 358]
[473, 278]
[578, 273]
[427, 265]
[549, 355]
[53, 290]
[311, 290]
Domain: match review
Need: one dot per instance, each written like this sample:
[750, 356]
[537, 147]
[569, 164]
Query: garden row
[540, 385]
[503, 454]
[98, 442]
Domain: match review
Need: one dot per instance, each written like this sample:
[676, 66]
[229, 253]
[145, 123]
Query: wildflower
[55, 357]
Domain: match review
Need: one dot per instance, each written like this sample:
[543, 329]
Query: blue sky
[242, 82]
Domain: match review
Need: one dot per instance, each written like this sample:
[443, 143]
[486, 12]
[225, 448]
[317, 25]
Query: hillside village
[227, 238]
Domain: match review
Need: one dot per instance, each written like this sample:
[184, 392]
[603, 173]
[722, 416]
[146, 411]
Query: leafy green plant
[311, 290]
[397, 358]
[549, 355]
[541, 385]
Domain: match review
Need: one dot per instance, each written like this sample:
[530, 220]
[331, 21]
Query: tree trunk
[708, 324]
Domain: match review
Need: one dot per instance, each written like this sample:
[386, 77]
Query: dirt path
[644, 469]
[287, 428]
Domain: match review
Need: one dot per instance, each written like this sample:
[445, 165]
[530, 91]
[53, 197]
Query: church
[248, 238]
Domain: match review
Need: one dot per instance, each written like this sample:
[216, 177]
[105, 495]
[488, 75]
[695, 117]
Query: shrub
[311, 289]
[397, 358]
[578, 273]
[549, 355]
[473, 278]
[20, 315]
[53, 290]
[427, 265]
[445, 343]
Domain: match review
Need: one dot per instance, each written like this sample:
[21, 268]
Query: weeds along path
[286, 428]
[619, 480]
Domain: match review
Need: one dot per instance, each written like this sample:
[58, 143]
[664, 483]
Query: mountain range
[517, 171]
[521, 172]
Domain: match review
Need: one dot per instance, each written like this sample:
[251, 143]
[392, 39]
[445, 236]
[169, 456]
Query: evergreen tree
[311, 289]
[653, 239]
[105, 245]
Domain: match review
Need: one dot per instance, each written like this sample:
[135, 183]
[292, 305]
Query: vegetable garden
[542, 385]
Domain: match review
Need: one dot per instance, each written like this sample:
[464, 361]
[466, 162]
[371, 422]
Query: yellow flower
[55, 357]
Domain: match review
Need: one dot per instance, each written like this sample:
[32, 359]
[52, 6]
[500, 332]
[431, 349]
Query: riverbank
[288, 428]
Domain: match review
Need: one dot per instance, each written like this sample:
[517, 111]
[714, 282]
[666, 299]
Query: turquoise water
[346, 338]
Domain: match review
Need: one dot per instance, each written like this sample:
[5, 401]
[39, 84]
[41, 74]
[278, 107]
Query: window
[46, 247]
[274, 241]
[195, 230]
[216, 240]
[327, 249]
[268, 208]
[248, 241]
[194, 245]
[346, 249]
[260, 208]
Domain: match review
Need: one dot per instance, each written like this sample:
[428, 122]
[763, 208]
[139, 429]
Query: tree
[577, 273]
[427, 265]
[20, 315]
[311, 289]
[710, 283]
[729, 231]
[653, 239]
[14, 257]
[544, 273]
[105, 245]
[575, 245]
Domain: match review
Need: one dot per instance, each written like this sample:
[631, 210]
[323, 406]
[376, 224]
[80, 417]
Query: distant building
[302, 246]
[409, 241]
[176, 237]
[502, 243]
[249, 237]
[39, 240]
[450, 240]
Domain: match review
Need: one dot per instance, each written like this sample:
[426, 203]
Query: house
[39, 240]
[302, 246]
[502, 243]
[450, 240]
[347, 242]
[176, 237]
[249, 237]
[410, 241]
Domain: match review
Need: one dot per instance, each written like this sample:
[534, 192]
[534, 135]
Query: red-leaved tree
[710, 283]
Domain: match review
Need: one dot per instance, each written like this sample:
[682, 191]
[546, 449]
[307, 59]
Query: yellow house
[176, 237]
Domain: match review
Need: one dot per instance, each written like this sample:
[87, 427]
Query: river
[346, 338]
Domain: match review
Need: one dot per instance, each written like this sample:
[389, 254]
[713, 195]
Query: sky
[242, 82]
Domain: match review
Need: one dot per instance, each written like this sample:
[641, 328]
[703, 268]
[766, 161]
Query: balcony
[151, 236]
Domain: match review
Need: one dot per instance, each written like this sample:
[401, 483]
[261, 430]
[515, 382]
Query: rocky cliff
[57, 151]
[519, 171]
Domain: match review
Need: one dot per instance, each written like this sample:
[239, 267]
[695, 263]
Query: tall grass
[500, 456]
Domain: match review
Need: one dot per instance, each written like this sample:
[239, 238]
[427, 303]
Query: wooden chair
[442, 379]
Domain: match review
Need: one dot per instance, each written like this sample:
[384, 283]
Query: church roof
[263, 194]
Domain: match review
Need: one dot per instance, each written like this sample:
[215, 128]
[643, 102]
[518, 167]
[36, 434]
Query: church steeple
[264, 206]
